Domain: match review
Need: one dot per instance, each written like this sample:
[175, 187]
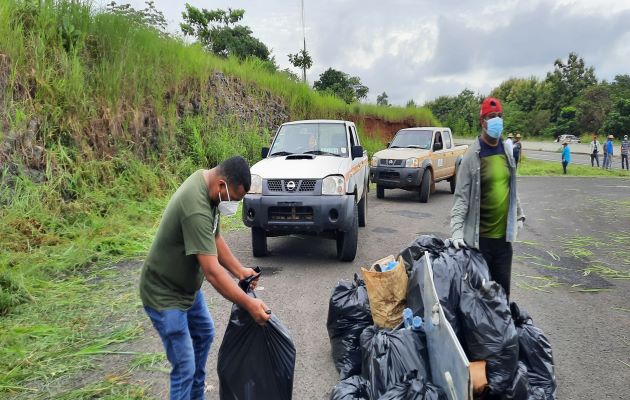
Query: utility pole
[304, 36]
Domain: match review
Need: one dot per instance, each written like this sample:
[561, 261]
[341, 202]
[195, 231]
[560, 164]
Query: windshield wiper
[280, 153]
[394, 147]
[321, 153]
[414, 146]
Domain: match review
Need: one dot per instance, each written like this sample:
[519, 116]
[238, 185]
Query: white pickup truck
[313, 180]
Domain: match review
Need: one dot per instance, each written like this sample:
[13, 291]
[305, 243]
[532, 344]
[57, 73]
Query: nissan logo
[390, 162]
[290, 186]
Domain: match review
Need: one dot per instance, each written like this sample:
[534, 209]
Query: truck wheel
[380, 191]
[259, 242]
[347, 241]
[363, 210]
[425, 186]
[453, 182]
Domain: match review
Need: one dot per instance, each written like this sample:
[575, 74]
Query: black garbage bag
[255, 362]
[519, 389]
[352, 388]
[416, 249]
[489, 333]
[535, 353]
[348, 314]
[450, 266]
[390, 355]
[414, 387]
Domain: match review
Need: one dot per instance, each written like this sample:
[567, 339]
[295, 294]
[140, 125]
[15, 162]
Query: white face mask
[229, 207]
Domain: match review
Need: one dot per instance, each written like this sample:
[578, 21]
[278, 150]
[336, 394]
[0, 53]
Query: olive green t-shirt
[171, 274]
[495, 191]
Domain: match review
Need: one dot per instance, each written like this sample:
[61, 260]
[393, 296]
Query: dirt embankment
[378, 127]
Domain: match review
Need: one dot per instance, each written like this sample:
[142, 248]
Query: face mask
[229, 207]
[495, 127]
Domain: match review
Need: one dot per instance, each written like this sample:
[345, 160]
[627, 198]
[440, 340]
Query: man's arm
[462, 199]
[225, 285]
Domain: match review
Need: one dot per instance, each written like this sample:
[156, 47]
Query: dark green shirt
[171, 274]
[495, 191]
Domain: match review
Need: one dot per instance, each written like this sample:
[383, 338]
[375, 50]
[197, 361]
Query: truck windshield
[328, 139]
[420, 139]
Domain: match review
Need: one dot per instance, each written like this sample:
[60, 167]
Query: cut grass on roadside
[529, 167]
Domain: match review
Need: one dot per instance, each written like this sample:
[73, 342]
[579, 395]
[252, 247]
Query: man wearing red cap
[486, 213]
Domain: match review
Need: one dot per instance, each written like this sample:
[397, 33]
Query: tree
[217, 31]
[301, 60]
[339, 84]
[149, 16]
[381, 100]
[565, 83]
[460, 113]
[566, 123]
[411, 104]
[617, 122]
[592, 108]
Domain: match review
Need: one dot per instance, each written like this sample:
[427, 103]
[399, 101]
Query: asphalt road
[589, 331]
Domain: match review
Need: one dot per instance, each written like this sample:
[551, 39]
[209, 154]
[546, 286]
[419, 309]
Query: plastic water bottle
[416, 324]
[390, 265]
[408, 318]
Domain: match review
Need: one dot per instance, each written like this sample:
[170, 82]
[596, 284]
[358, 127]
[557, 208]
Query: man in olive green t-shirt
[187, 249]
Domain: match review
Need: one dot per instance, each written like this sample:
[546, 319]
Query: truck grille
[292, 214]
[391, 163]
[285, 185]
[389, 175]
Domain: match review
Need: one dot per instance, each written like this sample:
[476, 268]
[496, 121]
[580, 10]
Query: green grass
[530, 167]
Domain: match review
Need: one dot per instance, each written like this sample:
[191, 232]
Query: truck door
[438, 157]
[449, 158]
[357, 172]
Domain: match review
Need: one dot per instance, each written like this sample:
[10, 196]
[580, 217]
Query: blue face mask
[495, 127]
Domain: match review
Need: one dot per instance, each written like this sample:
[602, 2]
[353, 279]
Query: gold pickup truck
[415, 160]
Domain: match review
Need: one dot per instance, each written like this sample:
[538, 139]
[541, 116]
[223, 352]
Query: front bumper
[394, 178]
[283, 215]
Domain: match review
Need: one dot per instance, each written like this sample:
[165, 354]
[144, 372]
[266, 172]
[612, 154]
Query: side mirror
[437, 146]
[264, 152]
[389, 144]
[357, 152]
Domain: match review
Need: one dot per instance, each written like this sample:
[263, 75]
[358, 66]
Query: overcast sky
[426, 48]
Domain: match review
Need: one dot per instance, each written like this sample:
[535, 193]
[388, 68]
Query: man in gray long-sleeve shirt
[486, 212]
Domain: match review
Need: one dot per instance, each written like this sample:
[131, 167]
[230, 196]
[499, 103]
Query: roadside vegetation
[530, 167]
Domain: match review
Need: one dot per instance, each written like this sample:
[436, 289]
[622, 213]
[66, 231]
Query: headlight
[411, 163]
[256, 186]
[334, 185]
[375, 161]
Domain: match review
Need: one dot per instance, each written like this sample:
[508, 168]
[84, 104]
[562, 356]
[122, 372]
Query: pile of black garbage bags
[378, 363]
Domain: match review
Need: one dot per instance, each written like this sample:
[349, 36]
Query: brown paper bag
[387, 292]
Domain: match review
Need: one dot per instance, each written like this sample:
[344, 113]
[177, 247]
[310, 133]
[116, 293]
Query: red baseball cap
[490, 105]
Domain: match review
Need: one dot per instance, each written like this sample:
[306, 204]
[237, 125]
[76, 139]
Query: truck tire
[259, 242]
[425, 186]
[453, 182]
[347, 241]
[363, 210]
[380, 191]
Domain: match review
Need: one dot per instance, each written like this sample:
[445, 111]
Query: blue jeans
[187, 336]
[607, 159]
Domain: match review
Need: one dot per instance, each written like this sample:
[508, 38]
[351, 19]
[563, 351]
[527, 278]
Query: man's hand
[458, 243]
[259, 311]
[246, 273]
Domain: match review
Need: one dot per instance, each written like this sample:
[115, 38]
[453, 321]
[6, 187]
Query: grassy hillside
[100, 120]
